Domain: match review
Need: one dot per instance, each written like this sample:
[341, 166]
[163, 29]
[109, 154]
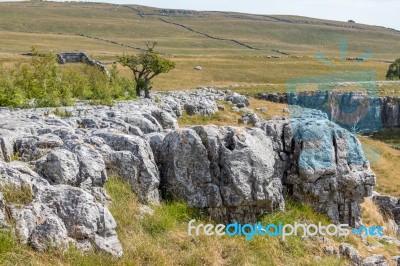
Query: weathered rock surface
[131, 157]
[350, 252]
[249, 119]
[389, 207]
[57, 215]
[229, 171]
[375, 260]
[236, 98]
[325, 165]
[353, 110]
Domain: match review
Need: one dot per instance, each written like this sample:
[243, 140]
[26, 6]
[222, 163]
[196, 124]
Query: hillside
[232, 48]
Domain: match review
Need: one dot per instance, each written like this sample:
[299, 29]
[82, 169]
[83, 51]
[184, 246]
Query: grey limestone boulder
[228, 171]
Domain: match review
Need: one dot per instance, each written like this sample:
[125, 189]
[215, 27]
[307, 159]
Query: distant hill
[181, 31]
[231, 39]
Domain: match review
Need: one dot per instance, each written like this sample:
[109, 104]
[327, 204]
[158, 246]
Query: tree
[394, 70]
[145, 66]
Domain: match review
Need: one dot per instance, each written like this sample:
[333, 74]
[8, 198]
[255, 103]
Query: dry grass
[231, 118]
[17, 195]
[384, 162]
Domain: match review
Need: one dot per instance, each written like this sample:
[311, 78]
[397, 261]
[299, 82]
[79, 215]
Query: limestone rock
[59, 167]
[350, 252]
[236, 98]
[375, 260]
[132, 158]
[228, 171]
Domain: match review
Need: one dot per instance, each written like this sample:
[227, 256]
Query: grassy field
[220, 48]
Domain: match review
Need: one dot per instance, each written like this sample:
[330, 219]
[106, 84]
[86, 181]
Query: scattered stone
[330, 250]
[249, 119]
[262, 109]
[235, 109]
[237, 98]
[350, 252]
[375, 260]
[144, 210]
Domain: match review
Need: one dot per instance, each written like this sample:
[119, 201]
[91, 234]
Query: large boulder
[227, 171]
[326, 166]
[237, 174]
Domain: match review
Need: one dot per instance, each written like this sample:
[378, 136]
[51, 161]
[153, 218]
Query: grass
[17, 195]
[389, 136]
[59, 112]
[384, 162]
[162, 239]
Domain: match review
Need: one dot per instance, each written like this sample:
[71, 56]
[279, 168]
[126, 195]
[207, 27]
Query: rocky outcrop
[238, 174]
[57, 215]
[237, 98]
[132, 159]
[356, 111]
[62, 163]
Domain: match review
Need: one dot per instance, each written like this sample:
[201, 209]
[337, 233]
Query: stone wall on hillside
[80, 57]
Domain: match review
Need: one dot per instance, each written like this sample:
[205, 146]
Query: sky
[373, 12]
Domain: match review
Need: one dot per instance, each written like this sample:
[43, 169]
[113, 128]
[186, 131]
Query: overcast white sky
[374, 12]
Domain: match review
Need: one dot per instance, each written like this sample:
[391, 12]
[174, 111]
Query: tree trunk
[146, 92]
[137, 89]
[146, 88]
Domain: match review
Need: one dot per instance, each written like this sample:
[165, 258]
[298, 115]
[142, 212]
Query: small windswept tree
[394, 70]
[145, 66]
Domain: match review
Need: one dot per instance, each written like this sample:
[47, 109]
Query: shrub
[394, 70]
[43, 83]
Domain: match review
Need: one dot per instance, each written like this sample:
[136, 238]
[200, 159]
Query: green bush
[43, 83]
[394, 70]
